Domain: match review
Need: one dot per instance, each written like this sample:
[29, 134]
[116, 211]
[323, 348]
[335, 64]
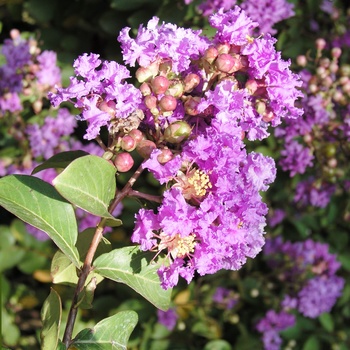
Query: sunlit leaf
[38, 203]
[112, 333]
[51, 317]
[89, 183]
[136, 269]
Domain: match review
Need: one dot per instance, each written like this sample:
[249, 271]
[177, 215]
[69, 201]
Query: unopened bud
[210, 54]
[302, 60]
[336, 52]
[145, 148]
[165, 156]
[268, 116]
[260, 107]
[150, 101]
[128, 143]
[177, 132]
[168, 103]
[159, 85]
[224, 62]
[191, 81]
[145, 89]
[143, 74]
[14, 34]
[108, 107]
[191, 105]
[123, 162]
[251, 85]
[320, 44]
[223, 48]
[137, 135]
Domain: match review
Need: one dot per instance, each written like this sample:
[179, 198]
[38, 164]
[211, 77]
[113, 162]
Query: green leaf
[312, 343]
[112, 333]
[51, 316]
[38, 203]
[327, 322]
[62, 269]
[218, 344]
[135, 268]
[60, 160]
[89, 183]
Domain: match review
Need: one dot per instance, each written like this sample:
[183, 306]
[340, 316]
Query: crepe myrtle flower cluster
[308, 273]
[267, 12]
[198, 100]
[320, 139]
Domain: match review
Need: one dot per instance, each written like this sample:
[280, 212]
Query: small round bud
[191, 105]
[177, 132]
[143, 74]
[14, 34]
[145, 148]
[150, 101]
[128, 143]
[260, 107]
[176, 89]
[224, 62]
[159, 85]
[302, 60]
[108, 107]
[210, 54]
[137, 135]
[165, 156]
[191, 81]
[336, 52]
[320, 44]
[123, 162]
[145, 89]
[168, 103]
[251, 85]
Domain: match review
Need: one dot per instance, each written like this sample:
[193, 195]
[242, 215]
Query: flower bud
[175, 89]
[137, 135]
[320, 44]
[177, 132]
[14, 34]
[108, 107]
[268, 116]
[107, 155]
[224, 62]
[168, 103]
[159, 85]
[123, 162]
[260, 107]
[165, 67]
[150, 101]
[143, 74]
[336, 52]
[145, 89]
[251, 85]
[191, 105]
[145, 148]
[165, 156]
[302, 60]
[128, 143]
[191, 81]
[223, 48]
[210, 54]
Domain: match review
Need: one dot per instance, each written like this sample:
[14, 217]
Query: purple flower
[100, 93]
[276, 217]
[296, 158]
[225, 297]
[267, 13]
[162, 42]
[319, 295]
[48, 74]
[167, 318]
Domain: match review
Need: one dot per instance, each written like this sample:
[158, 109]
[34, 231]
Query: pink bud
[150, 101]
[14, 34]
[145, 148]
[165, 156]
[191, 81]
[336, 52]
[320, 44]
[211, 54]
[108, 107]
[224, 62]
[145, 89]
[143, 74]
[302, 60]
[168, 103]
[251, 85]
[137, 135]
[159, 85]
[128, 143]
[123, 162]
[177, 132]
[191, 105]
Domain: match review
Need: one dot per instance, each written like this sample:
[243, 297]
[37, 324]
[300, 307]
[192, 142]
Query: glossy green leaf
[51, 317]
[89, 183]
[38, 203]
[135, 268]
[112, 333]
[62, 269]
[327, 322]
[60, 160]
